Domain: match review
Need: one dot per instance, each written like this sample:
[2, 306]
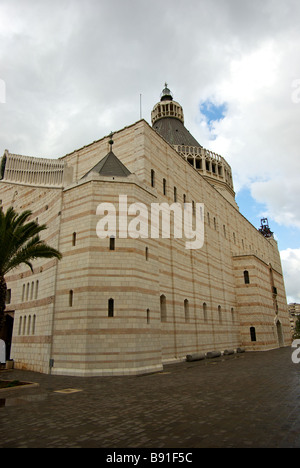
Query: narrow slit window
[37, 289]
[252, 333]
[20, 325]
[33, 324]
[8, 296]
[71, 298]
[112, 243]
[205, 311]
[246, 277]
[220, 313]
[163, 309]
[152, 178]
[164, 187]
[186, 311]
[111, 304]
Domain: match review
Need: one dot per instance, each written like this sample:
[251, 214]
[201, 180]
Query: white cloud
[290, 259]
[282, 199]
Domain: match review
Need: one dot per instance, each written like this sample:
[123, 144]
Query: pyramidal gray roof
[175, 132]
[110, 165]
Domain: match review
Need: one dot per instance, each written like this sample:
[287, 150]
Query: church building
[125, 304]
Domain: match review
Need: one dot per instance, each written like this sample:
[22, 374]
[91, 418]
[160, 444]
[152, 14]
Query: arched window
[220, 313]
[33, 324]
[20, 325]
[186, 311]
[164, 187]
[36, 288]
[111, 304]
[71, 298]
[253, 333]
[204, 311]
[246, 277]
[163, 308]
[74, 235]
[146, 253]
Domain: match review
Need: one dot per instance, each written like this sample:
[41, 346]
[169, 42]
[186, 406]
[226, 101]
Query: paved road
[242, 401]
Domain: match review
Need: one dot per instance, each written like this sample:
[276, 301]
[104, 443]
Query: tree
[296, 334]
[19, 243]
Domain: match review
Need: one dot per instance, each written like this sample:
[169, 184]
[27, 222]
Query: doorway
[7, 332]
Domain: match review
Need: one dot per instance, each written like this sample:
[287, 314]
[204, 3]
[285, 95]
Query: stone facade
[130, 307]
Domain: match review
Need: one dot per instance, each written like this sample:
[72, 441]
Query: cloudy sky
[72, 71]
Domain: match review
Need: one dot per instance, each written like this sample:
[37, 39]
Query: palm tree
[19, 243]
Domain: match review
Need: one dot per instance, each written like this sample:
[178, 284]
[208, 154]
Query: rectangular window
[164, 187]
[246, 277]
[71, 298]
[112, 244]
[152, 178]
[110, 307]
[8, 297]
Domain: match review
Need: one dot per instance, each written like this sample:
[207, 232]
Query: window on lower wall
[220, 313]
[163, 308]
[112, 243]
[253, 333]
[204, 311]
[74, 236]
[71, 298]
[111, 304]
[27, 325]
[186, 311]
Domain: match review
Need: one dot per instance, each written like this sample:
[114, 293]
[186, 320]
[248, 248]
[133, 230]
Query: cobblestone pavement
[242, 401]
